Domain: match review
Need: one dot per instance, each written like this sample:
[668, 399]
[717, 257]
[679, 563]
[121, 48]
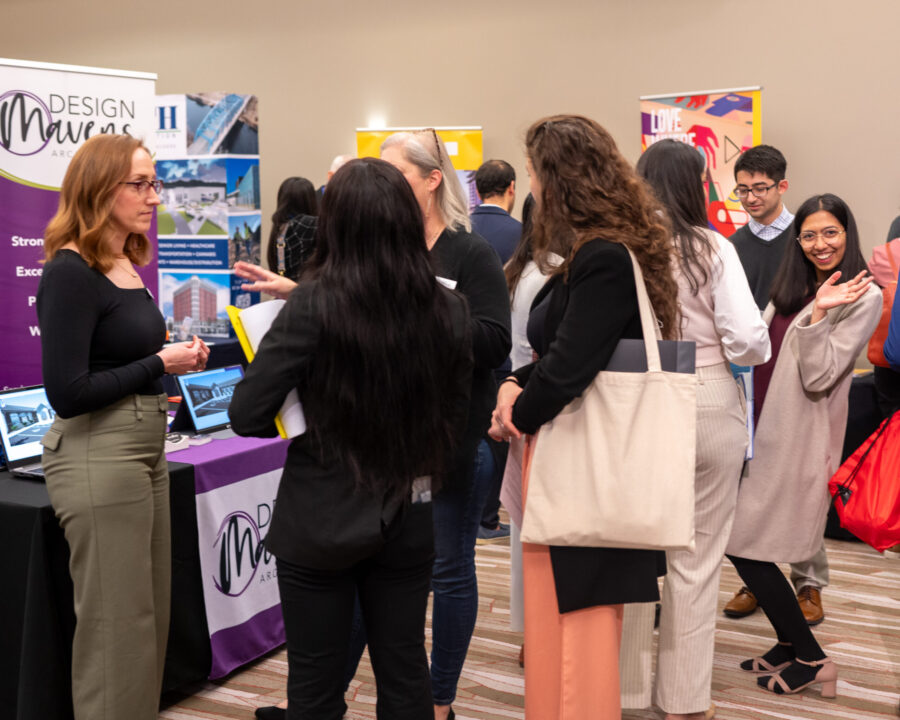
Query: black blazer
[321, 519]
[586, 317]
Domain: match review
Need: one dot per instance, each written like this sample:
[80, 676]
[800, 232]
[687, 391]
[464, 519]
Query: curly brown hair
[588, 190]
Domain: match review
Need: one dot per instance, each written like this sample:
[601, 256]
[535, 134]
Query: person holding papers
[103, 360]
[380, 354]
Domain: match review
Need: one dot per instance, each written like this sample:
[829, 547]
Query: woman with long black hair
[823, 310]
[719, 314]
[353, 512]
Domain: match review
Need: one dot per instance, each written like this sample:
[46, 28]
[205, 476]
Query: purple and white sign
[236, 483]
[46, 112]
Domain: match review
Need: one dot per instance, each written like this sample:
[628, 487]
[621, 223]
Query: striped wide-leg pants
[690, 591]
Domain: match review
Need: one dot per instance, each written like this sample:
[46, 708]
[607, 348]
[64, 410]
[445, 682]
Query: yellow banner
[465, 146]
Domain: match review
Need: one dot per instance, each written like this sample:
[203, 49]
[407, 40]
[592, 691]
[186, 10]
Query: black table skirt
[36, 607]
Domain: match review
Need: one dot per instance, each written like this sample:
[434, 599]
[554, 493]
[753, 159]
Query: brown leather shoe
[522, 656]
[742, 604]
[810, 601]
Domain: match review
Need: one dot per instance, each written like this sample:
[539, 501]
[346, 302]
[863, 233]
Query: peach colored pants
[572, 663]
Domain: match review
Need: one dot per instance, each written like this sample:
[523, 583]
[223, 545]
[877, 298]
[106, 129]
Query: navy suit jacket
[496, 226]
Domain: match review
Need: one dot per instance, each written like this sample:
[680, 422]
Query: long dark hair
[589, 190]
[674, 171]
[522, 255]
[796, 279]
[296, 196]
[386, 347]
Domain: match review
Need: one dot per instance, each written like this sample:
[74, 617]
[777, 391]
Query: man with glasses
[760, 244]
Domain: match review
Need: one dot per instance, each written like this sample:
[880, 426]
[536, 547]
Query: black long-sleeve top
[586, 316]
[98, 341]
[467, 259]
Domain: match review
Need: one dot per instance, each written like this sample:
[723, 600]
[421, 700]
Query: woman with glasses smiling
[822, 312]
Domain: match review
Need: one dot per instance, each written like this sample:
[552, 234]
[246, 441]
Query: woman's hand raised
[262, 280]
[831, 294]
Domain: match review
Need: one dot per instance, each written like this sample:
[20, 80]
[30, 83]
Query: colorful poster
[209, 163]
[46, 112]
[721, 124]
[464, 145]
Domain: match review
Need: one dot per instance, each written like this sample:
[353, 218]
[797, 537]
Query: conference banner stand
[464, 146]
[46, 112]
[210, 215]
[719, 123]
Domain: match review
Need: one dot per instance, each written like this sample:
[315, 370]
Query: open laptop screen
[207, 395]
[25, 415]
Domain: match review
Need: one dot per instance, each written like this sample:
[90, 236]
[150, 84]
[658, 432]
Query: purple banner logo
[241, 550]
[24, 119]
[28, 124]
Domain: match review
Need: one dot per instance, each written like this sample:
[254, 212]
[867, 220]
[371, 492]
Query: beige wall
[829, 69]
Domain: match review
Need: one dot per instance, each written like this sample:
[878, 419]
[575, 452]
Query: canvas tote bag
[615, 468]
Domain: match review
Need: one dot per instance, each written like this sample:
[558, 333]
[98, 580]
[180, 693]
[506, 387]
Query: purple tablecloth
[235, 481]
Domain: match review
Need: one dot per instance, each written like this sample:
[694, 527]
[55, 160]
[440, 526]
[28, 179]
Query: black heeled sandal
[775, 659]
[825, 673]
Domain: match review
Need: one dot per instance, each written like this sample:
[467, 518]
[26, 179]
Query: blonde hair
[86, 202]
[426, 150]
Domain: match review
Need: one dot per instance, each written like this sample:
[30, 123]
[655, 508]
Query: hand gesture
[502, 427]
[831, 294]
[179, 358]
[262, 280]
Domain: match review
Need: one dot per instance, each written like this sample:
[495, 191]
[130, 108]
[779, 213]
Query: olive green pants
[109, 485]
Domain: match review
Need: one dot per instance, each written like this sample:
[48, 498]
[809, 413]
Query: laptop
[25, 415]
[205, 397]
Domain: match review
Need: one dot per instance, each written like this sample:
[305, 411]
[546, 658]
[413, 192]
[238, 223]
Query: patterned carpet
[861, 633]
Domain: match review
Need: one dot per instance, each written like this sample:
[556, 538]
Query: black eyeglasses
[759, 191]
[142, 186]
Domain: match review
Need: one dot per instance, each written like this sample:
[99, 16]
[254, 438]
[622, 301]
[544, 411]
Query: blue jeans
[457, 515]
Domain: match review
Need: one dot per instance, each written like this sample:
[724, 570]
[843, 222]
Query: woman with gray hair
[466, 262]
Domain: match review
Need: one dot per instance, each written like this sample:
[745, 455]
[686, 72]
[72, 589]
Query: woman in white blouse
[720, 315]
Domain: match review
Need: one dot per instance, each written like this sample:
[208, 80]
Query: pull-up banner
[719, 123]
[464, 147]
[46, 112]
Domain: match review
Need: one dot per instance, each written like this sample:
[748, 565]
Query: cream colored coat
[783, 500]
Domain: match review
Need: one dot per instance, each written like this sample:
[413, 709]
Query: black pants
[776, 597]
[393, 587]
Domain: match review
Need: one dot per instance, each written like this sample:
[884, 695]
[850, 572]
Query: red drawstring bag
[866, 488]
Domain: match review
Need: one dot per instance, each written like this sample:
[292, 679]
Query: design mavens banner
[46, 113]
[719, 123]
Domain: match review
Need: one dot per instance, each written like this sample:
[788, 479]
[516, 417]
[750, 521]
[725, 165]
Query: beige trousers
[690, 592]
[109, 485]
